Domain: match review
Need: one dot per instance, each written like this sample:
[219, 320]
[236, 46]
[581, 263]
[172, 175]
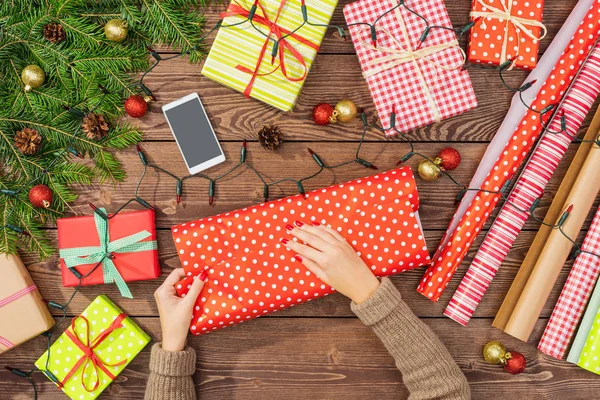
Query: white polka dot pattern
[401, 88]
[488, 36]
[250, 273]
[590, 354]
[454, 247]
[122, 344]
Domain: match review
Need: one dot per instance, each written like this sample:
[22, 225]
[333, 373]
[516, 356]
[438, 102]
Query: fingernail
[284, 240]
[289, 227]
[298, 258]
[315, 223]
[203, 275]
[299, 224]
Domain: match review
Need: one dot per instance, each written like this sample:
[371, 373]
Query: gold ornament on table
[344, 111]
[28, 141]
[94, 126]
[33, 77]
[495, 353]
[430, 171]
[116, 30]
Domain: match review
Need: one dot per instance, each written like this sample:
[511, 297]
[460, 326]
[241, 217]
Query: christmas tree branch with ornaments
[65, 69]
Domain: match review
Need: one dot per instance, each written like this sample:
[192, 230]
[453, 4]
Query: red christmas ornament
[450, 158]
[136, 106]
[515, 363]
[322, 114]
[40, 196]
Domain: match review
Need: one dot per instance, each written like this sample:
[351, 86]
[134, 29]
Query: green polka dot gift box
[93, 351]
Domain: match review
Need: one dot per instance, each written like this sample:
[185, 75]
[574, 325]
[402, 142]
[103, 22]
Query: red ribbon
[89, 357]
[279, 33]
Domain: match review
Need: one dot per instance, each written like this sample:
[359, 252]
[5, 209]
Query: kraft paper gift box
[130, 237]
[23, 314]
[241, 57]
[93, 351]
[251, 273]
[421, 82]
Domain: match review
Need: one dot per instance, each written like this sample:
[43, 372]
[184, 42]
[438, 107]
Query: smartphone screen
[193, 132]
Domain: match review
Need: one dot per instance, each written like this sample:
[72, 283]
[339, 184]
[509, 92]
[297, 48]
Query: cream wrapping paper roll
[556, 250]
[558, 204]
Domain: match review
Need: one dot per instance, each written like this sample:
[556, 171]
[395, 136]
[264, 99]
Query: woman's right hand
[332, 260]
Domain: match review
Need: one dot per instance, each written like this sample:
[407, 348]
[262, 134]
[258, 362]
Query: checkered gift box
[574, 296]
[422, 82]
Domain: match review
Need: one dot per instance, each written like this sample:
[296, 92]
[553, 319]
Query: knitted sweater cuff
[379, 305]
[172, 363]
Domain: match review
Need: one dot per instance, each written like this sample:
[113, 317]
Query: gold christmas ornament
[33, 77]
[116, 30]
[429, 171]
[345, 111]
[495, 353]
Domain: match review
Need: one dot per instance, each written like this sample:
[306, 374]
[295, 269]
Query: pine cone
[28, 141]
[94, 126]
[54, 33]
[270, 137]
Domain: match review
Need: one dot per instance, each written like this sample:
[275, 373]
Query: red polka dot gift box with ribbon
[506, 30]
[251, 273]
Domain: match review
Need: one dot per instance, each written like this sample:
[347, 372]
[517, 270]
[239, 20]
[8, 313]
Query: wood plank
[292, 160]
[331, 79]
[325, 359]
[48, 278]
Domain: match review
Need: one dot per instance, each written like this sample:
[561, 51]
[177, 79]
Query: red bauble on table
[136, 105]
[450, 158]
[515, 363]
[40, 196]
[322, 114]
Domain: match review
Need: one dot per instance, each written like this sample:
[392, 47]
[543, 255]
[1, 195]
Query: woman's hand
[332, 260]
[176, 312]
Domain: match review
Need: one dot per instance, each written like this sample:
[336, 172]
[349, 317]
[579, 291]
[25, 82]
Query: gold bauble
[345, 111]
[33, 77]
[429, 171]
[495, 353]
[116, 30]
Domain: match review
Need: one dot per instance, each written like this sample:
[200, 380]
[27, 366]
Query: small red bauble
[322, 114]
[40, 196]
[515, 363]
[136, 106]
[450, 158]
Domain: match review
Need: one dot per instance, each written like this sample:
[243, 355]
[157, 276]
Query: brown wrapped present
[22, 310]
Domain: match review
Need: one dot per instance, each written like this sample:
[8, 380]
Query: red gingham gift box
[422, 82]
[251, 273]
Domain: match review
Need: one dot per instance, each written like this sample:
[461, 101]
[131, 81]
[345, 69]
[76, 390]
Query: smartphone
[194, 133]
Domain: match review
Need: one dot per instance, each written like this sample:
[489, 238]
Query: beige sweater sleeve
[171, 374]
[428, 370]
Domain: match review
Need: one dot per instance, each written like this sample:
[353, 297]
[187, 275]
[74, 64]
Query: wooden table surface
[318, 350]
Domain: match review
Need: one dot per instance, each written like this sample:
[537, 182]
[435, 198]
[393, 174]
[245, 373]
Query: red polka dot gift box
[251, 273]
[506, 30]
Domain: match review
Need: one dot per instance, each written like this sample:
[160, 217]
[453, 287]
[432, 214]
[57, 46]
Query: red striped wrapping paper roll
[530, 187]
[455, 246]
[574, 296]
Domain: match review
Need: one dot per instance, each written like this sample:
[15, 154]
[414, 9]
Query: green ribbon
[76, 256]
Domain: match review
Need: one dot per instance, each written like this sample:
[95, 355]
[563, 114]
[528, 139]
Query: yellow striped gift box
[241, 56]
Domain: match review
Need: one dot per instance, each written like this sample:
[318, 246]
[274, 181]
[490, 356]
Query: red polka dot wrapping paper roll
[422, 83]
[455, 245]
[496, 37]
[251, 273]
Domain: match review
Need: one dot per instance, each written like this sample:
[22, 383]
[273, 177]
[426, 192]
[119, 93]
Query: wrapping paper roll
[574, 296]
[455, 245]
[556, 250]
[557, 206]
[585, 327]
[529, 187]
